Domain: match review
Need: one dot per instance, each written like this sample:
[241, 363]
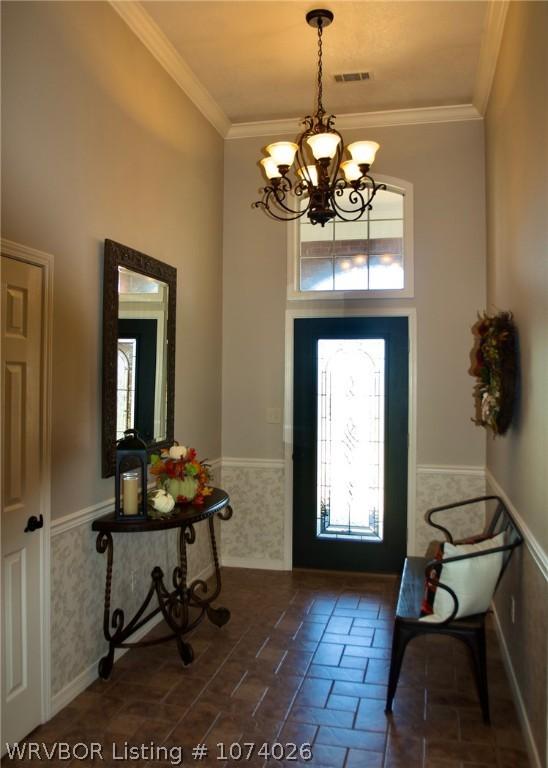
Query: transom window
[370, 257]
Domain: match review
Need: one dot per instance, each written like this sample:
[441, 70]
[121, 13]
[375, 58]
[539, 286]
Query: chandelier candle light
[318, 154]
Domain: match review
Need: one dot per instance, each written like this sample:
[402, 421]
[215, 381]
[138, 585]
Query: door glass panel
[350, 450]
[125, 389]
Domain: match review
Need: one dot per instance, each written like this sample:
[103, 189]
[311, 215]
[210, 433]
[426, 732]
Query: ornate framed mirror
[139, 303]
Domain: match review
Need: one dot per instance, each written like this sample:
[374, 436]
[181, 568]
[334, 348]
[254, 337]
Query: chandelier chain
[323, 187]
[321, 110]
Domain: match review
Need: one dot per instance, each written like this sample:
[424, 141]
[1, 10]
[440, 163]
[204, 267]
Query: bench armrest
[433, 510]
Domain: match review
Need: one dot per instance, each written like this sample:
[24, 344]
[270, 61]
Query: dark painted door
[350, 437]
[144, 332]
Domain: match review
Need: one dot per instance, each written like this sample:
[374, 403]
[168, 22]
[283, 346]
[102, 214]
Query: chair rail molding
[87, 515]
[234, 461]
[533, 545]
[448, 469]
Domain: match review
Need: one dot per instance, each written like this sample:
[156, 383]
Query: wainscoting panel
[524, 641]
[254, 537]
[256, 532]
[437, 485]
[78, 588]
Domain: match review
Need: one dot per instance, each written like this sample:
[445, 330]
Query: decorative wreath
[494, 365]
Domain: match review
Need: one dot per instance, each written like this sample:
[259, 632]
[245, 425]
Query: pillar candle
[130, 490]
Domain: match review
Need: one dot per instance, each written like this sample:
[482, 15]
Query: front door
[22, 302]
[137, 341]
[350, 439]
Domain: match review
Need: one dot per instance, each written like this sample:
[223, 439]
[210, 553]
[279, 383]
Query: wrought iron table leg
[218, 616]
[186, 651]
[174, 605]
[104, 544]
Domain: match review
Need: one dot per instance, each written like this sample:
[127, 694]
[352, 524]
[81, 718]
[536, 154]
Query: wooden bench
[471, 629]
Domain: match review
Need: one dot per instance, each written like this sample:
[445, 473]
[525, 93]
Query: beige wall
[99, 142]
[517, 267]
[444, 162]
[517, 242]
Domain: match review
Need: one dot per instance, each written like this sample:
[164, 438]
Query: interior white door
[22, 302]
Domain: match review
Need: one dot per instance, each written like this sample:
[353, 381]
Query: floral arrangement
[494, 366]
[181, 478]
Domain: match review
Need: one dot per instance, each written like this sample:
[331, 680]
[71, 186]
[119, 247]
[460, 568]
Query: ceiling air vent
[352, 77]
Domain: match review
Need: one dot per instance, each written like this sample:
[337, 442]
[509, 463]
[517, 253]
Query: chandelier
[318, 188]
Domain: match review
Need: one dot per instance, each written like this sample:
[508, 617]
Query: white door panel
[22, 304]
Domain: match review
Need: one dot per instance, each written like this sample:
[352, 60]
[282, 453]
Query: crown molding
[450, 114]
[152, 37]
[495, 19]
[150, 34]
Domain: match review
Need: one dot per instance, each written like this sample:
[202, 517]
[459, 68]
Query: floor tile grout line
[207, 684]
[239, 683]
[237, 652]
[283, 613]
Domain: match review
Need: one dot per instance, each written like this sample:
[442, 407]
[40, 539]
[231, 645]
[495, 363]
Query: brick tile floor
[304, 659]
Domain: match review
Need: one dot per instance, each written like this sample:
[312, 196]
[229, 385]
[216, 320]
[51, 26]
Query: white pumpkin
[178, 452]
[163, 502]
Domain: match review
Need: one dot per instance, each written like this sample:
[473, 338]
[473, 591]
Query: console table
[175, 603]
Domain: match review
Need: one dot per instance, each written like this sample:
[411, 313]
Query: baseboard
[259, 563]
[89, 675]
[518, 699]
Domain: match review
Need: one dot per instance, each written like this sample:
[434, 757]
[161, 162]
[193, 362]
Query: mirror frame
[118, 255]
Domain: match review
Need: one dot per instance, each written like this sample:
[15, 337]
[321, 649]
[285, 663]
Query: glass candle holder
[130, 492]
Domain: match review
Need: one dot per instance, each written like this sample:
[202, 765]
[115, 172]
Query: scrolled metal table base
[182, 607]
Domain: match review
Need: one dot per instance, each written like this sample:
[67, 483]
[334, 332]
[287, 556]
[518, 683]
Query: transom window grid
[350, 449]
[368, 258]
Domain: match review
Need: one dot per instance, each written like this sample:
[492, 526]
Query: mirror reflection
[141, 389]
[139, 309]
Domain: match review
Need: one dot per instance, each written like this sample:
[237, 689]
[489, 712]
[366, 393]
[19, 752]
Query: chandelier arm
[377, 187]
[279, 197]
[275, 196]
[270, 211]
[355, 198]
[356, 192]
[343, 213]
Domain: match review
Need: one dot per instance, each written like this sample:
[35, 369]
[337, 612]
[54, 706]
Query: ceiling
[257, 59]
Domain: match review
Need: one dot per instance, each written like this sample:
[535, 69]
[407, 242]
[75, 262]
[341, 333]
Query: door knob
[33, 523]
